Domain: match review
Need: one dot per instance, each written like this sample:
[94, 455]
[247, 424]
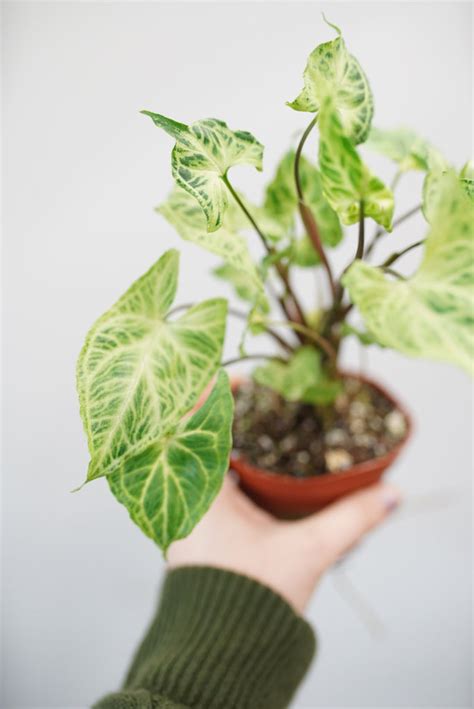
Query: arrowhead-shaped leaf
[168, 485]
[432, 313]
[138, 373]
[347, 182]
[332, 71]
[203, 154]
[302, 378]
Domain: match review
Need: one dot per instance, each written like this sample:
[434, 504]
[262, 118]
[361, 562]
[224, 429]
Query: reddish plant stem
[344, 311]
[298, 311]
[306, 214]
[338, 313]
[315, 337]
[360, 243]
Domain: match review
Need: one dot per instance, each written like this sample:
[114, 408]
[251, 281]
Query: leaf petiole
[381, 232]
[360, 243]
[310, 334]
[306, 214]
[235, 360]
[394, 273]
[270, 251]
[397, 254]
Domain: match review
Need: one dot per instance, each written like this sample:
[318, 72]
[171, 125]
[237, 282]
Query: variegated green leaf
[434, 180]
[281, 202]
[280, 195]
[185, 214]
[347, 182]
[431, 193]
[274, 229]
[332, 71]
[302, 253]
[138, 373]
[432, 313]
[329, 226]
[168, 485]
[302, 378]
[203, 154]
[406, 148]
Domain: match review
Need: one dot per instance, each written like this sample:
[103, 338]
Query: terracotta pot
[289, 497]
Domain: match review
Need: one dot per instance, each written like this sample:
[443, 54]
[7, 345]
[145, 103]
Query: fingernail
[391, 498]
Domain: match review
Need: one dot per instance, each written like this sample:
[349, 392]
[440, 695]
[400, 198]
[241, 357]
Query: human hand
[288, 556]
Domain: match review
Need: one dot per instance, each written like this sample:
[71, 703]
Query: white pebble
[335, 437]
[395, 424]
[338, 459]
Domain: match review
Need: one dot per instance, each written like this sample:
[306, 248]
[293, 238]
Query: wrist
[220, 637]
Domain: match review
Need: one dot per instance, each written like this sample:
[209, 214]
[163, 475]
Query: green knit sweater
[218, 641]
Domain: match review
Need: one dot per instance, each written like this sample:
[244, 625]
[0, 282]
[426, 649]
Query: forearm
[218, 640]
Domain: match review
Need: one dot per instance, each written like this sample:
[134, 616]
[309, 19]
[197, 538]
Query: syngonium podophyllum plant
[146, 362]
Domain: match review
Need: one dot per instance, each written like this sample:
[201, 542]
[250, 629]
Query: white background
[83, 170]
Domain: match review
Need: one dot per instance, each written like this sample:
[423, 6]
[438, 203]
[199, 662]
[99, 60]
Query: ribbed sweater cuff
[220, 639]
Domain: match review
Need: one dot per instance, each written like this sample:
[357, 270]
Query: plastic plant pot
[290, 497]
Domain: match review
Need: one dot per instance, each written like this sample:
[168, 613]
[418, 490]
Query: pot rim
[327, 480]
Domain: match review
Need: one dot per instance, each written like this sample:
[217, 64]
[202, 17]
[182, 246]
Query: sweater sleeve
[219, 640]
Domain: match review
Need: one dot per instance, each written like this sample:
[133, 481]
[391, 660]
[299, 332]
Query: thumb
[339, 527]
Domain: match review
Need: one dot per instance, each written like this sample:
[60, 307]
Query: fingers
[339, 527]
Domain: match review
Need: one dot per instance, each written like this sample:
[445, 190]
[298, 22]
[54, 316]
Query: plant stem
[312, 335]
[263, 239]
[345, 311]
[336, 314]
[276, 296]
[234, 360]
[281, 341]
[299, 150]
[271, 251]
[242, 316]
[306, 214]
[396, 255]
[300, 316]
[395, 273]
[360, 243]
[380, 231]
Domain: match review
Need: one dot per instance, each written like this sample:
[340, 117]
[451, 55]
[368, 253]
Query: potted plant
[304, 431]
